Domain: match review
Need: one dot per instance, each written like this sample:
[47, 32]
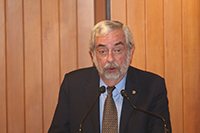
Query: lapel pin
[133, 92]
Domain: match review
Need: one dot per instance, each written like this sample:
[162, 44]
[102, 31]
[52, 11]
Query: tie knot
[110, 89]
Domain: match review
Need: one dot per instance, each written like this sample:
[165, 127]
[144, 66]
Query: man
[111, 47]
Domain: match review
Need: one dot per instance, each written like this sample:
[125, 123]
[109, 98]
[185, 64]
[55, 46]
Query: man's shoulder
[82, 72]
[81, 77]
[143, 74]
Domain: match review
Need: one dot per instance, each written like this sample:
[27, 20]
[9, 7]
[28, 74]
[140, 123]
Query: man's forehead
[113, 37]
[119, 31]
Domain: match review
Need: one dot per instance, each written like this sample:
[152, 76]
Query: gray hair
[106, 26]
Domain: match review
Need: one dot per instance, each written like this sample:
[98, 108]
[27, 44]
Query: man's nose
[110, 56]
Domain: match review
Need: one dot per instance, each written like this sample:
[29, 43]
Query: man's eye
[117, 51]
[102, 51]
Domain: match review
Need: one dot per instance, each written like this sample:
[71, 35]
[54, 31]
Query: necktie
[110, 120]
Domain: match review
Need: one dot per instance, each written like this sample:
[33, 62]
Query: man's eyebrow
[100, 45]
[119, 43]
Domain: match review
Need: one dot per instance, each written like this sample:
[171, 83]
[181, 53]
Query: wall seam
[59, 42]
[77, 41]
[145, 28]
[42, 78]
[126, 12]
[6, 64]
[24, 65]
[182, 42]
[164, 42]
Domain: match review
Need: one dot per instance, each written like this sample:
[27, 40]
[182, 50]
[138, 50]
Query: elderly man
[111, 47]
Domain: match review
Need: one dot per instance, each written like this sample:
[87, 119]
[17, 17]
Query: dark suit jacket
[80, 88]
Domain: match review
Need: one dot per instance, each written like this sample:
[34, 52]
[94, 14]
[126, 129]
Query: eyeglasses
[117, 51]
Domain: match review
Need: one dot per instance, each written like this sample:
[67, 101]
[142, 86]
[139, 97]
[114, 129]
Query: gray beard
[113, 75]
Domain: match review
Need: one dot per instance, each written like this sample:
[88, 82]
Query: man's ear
[91, 54]
[131, 52]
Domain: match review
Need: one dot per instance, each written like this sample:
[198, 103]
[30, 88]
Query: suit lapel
[92, 90]
[133, 90]
[91, 93]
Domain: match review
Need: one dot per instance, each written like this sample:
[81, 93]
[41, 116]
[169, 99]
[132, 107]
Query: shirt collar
[120, 86]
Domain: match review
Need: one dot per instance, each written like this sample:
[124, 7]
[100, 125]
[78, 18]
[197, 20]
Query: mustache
[112, 64]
